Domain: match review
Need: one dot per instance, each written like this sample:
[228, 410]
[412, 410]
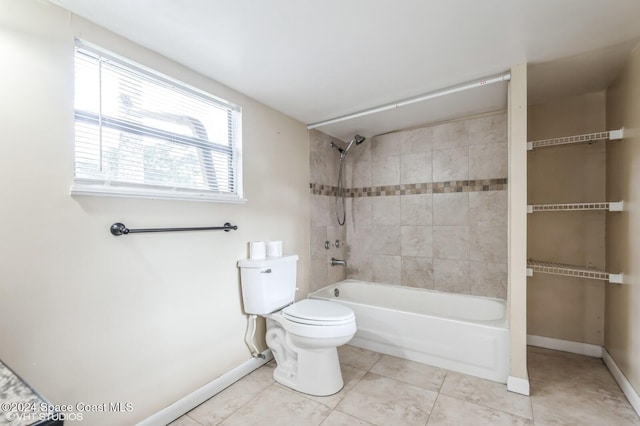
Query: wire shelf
[590, 137]
[570, 271]
[617, 206]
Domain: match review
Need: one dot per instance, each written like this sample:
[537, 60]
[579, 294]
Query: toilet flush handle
[266, 271]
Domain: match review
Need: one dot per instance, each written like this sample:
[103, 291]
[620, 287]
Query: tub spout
[336, 262]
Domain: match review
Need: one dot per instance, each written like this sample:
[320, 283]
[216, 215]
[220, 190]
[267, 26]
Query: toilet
[302, 336]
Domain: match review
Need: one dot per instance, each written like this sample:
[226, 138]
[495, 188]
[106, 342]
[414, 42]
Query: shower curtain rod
[420, 98]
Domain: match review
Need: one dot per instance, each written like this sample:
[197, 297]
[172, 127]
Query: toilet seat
[318, 312]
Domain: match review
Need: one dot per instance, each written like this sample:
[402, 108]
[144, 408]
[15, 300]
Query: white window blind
[139, 133]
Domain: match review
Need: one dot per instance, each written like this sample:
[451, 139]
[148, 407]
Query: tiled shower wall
[427, 207]
[324, 162]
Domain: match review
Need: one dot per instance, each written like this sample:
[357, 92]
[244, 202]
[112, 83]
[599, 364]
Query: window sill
[109, 189]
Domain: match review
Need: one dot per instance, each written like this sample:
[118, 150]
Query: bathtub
[462, 333]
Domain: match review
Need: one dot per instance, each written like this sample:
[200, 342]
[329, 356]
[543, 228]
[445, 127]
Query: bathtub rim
[502, 323]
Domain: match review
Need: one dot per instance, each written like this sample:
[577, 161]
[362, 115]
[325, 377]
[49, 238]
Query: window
[139, 133]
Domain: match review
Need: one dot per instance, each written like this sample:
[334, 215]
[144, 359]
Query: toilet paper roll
[257, 250]
[274, 248]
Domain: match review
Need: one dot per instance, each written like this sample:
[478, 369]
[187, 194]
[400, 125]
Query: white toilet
[303, 336]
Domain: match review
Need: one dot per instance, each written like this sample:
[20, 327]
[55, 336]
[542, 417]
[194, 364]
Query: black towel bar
[120, 229]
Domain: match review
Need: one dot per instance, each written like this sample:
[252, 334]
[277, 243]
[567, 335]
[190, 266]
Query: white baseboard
[518, 385]
[565, 345]
[627, 389]
[197, 397]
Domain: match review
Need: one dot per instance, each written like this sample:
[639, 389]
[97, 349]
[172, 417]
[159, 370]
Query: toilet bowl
[302, 336]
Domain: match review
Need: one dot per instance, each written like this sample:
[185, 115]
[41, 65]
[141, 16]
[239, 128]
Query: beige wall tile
[488, 243]
[451, 164]
[385, 145]
[319, 274]
[417, 272]
[322, 210]
[416, 140]
[416, 209]
[358, 166]
[488, 279]
[318, 237]
[451, 209]
[336, 273]
[488, 208]
[415, 167]
[451, 242]
[488, 161]
[416, 241]
[323, 159]
[451, 276]
[385, 170]
[387, 269]
[386, 210]
[450, 135]
[386, 239]
[487, 129]
[360, 267]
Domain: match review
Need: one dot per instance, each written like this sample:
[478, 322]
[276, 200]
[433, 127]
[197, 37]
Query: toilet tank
[268, 284]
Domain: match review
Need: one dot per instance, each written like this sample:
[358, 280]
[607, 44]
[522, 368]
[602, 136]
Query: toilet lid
[318, 312]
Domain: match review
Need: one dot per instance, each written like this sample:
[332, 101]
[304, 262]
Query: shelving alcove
[554, 268]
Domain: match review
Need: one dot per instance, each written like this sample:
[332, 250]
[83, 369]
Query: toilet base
[314, 371]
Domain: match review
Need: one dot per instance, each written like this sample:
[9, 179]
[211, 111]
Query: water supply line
[249, 338]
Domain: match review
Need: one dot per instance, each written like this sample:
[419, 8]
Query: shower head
[357, 139]
[343, 151]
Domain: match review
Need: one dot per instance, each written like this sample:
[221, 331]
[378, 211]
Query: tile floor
[566, 389]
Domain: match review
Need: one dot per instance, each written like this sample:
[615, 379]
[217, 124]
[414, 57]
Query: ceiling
[316, 60]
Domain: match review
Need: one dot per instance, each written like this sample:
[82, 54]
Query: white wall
[89, 317]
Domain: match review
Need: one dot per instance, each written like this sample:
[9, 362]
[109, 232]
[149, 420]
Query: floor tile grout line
[435, 401]
[483, 405]
[192, 418]
[249, 401]
[488, 407]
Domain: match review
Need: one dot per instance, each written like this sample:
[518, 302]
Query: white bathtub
[463, 333]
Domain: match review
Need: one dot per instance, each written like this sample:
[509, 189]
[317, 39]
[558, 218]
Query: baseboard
[627, 389]
[565, 345]
[518, 385]
[197, 397]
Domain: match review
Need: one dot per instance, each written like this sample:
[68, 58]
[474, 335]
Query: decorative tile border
[478, 185]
